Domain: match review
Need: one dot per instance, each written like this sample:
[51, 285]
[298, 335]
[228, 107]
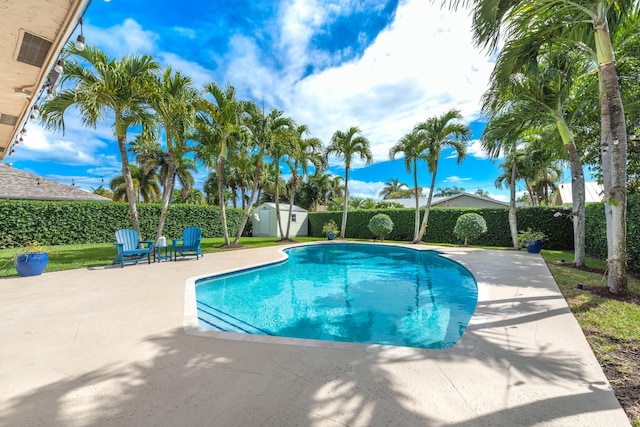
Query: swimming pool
[361, 293]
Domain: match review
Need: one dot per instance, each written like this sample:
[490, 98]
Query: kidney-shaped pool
[349, 292]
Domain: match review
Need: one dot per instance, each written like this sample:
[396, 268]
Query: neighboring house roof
[467, 200]
[462, 200]
[283, 207]
[594, 193]
[18, 184]
[408, 202]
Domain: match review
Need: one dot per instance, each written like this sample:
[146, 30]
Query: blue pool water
[362, 293]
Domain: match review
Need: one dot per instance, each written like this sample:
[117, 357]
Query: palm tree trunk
[425, 219]
[291, 200]
[577, 193]
[292, 197]
[345, 204]
[513, 219]
[223, 211]
[416, 227]
[168, 187]
[131, 193]
[255, 189]
[277, 197]
[616, 145]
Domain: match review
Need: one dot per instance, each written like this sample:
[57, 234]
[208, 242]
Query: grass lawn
[611, 325]
[69, 257]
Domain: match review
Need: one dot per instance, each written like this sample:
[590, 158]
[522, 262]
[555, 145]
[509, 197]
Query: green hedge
[596, 231]
[442, 221]
[57, 223]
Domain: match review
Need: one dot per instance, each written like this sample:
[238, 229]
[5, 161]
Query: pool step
[221, 321]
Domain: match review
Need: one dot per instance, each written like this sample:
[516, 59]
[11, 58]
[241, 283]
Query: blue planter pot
[331, 236]
[534, 247]
[31, 264]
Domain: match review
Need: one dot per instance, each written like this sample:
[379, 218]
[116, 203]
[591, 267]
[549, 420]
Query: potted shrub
[31, 259]
[330, 229]
[380, 226]
[532, 240]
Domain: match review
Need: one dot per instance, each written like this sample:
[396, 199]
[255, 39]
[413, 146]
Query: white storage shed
[265, 221]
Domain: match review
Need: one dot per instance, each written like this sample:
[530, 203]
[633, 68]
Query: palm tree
[121, 87]
[438, 133]
[218, 130]
[411, 145]
[304, 152]
[278, 139]
[145, 184]
[173, 102]
[533, 23]
[347, 144]
[393, 185]
[544, 91]
[264, 133]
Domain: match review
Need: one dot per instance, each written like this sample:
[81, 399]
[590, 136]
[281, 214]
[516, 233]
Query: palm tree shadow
[202, 381]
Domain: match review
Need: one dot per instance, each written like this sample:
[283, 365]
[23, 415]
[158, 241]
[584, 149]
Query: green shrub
[380, 225]
[469, 226]
[66, 222]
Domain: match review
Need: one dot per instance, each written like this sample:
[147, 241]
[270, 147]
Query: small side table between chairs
[163, 253]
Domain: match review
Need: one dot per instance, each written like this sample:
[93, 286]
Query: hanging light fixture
[80, 39]
[59, 66]
[49, 94]
[12, 152]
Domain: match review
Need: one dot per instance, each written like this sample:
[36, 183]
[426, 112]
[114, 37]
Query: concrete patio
[108, 347]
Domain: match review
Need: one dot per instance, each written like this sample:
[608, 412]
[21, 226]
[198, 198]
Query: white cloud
[189, 33]
[456, 179]
[199, 74]
[407, 75]
[475, 149]
[40, 147]
[365, 190]
[128, 36]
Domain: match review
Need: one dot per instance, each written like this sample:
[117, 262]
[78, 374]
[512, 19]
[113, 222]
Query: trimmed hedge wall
[442, 221]
[57, 223]
[596, 231]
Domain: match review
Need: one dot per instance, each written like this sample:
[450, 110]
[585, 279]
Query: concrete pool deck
[107, 347]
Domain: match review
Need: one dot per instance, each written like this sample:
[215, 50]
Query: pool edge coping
[191, 325]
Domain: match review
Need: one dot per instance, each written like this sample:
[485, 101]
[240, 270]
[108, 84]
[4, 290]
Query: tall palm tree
[411, 145]
[347, 144]
[544, 90]
[304, 153]
[587, 23]
[438, 133]
[174, 103]
[278, 138]
[393, 185]
[502, 135]
[262, 131]
[222, 117]
[98, 85]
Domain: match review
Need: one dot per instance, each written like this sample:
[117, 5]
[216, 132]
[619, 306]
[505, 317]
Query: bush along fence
[58, 223]
[442, 222]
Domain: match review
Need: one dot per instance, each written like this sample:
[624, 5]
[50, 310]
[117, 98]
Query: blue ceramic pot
[534, 247]
[31, 264]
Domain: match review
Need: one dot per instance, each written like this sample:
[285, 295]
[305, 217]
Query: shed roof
[284, 207]
[594, 193]
[18, 184]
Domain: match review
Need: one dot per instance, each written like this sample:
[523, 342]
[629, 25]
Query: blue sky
[380, 65]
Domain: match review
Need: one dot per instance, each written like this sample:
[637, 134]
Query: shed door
[264, 222]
